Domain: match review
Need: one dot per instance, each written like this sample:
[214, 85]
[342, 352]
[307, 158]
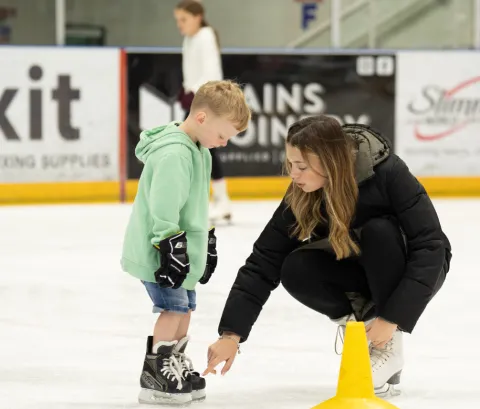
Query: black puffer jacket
[386, 188]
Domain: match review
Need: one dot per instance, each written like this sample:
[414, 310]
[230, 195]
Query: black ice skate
[161, 379]
[198, 383]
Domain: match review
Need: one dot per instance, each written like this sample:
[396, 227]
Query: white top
[201, 60]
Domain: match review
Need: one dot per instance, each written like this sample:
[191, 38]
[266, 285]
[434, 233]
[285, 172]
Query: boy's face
[213, 131]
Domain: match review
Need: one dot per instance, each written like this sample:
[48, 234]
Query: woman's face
[306, 175]
[187, 23]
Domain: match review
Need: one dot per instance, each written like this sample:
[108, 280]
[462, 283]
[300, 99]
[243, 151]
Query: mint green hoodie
[173, 195]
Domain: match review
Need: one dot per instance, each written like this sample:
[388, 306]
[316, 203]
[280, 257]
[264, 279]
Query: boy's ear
[200, 116]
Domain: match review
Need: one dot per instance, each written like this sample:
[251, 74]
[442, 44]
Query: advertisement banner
[438, 112]
[59, 114]
[280, 89]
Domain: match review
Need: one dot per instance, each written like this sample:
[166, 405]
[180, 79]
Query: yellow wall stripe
[452, 186]
[249, 188]
[71, 192]
[240, 188]
[275, 187]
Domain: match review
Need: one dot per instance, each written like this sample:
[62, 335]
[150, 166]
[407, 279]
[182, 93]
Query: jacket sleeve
[425, 248]
[211, 62]
[260, 275]
[169, 190]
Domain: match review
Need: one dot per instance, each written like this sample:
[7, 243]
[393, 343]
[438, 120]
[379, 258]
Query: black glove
[211, 257]
[174, 262]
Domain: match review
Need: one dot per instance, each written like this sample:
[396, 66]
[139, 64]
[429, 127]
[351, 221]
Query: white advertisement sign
[59, 114]
[438, 112]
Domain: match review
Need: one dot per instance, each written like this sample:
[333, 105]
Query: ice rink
[73, 326]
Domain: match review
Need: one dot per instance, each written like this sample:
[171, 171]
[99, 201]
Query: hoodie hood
[373, 149]
[153, 139]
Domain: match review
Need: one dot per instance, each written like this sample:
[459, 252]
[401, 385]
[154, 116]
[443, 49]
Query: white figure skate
[342, 327]
[387, 365]
[220, 207]
[220, 210]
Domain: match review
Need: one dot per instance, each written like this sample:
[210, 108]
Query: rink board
[81, 148]
[62, 133]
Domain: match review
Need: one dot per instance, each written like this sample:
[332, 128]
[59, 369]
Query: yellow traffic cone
[355, 384]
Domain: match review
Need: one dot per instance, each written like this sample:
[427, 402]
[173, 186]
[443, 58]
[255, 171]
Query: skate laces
[379, 356]
[171, 369]
[341, 329]
[184, 362]
[340, 335]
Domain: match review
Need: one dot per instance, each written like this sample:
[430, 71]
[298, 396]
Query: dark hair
[196, 8]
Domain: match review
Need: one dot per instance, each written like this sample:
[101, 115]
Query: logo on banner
[441, 112]
[438, 113]
[282, 107]
[280, 90]
[62, 95]
[55, 124]
[156, 108]
[275, 108]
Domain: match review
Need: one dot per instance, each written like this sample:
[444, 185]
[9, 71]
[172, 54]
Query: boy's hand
[174, 262]
[224, 350]
[379, 332]
[211, 257]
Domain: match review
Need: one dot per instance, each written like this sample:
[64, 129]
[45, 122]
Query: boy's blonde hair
[225, 99]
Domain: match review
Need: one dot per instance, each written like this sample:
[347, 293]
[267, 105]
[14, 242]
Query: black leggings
[217, 169]
[319, 281]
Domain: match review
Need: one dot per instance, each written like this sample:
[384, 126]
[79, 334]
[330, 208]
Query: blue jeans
[169, 299]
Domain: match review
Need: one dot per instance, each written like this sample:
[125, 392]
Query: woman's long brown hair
[324, 137]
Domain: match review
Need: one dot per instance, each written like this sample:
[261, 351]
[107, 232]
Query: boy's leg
[167, 326]
[198, 383]
[161, 380]
[182, 329]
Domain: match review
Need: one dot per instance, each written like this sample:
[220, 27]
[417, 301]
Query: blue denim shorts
[169, 299]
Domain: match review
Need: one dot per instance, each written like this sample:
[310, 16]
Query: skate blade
[387, 391]
[152, 397]
[198, 396]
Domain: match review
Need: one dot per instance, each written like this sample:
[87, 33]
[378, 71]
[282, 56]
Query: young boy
[167, 243]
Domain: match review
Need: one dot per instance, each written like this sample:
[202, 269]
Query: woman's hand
[224, 350]
[379, 332]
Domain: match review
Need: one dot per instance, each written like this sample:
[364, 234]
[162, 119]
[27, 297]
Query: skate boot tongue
[184, 361]
[164, 347]
[182, 345]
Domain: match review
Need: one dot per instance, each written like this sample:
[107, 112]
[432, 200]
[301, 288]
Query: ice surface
[73, 325]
